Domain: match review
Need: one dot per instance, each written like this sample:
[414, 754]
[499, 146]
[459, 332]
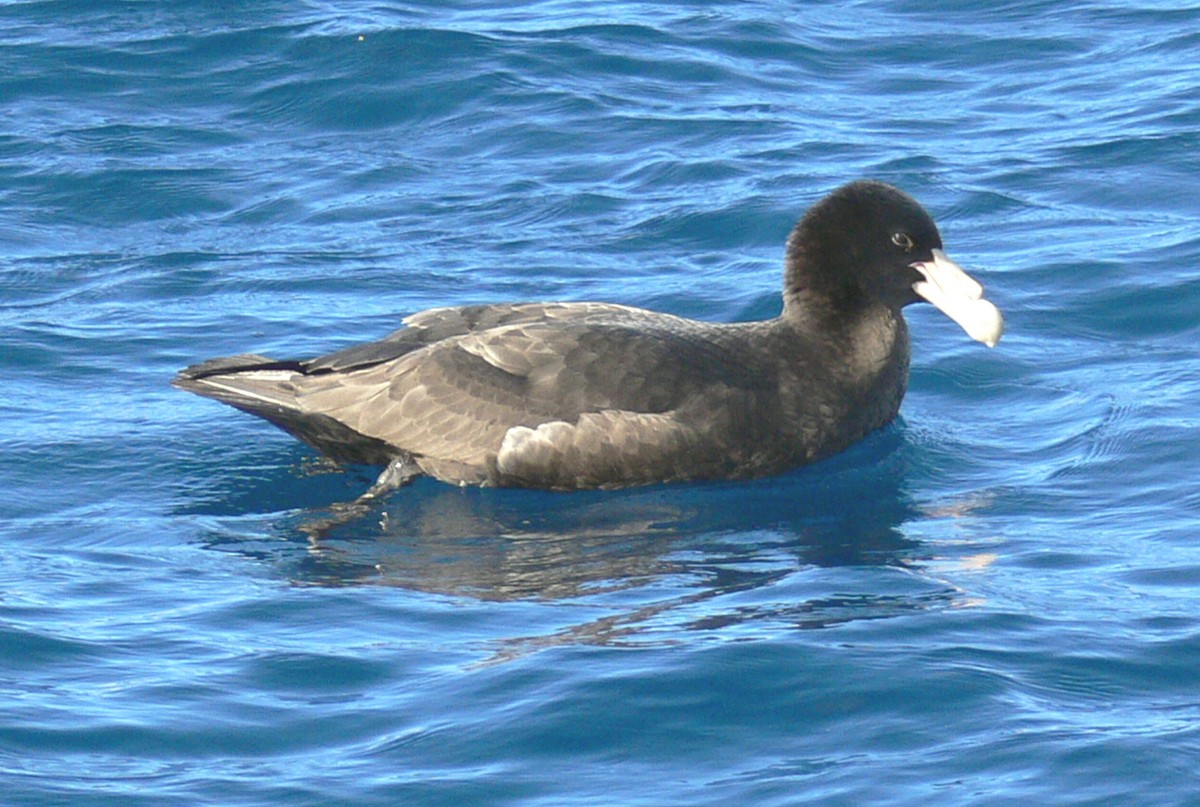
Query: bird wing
[437, 324]
[624, 389]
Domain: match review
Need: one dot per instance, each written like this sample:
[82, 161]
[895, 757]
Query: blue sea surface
[995, 600]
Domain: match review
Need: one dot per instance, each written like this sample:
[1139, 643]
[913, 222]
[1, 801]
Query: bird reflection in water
[803, 550]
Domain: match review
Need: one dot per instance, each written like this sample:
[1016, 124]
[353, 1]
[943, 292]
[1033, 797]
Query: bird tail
[268, 388]
[252, 383]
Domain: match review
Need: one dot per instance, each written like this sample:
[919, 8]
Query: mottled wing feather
[437, 324]
[451, 404]
[447, 402]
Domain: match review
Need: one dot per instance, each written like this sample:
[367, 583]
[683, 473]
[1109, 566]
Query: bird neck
[862, 343]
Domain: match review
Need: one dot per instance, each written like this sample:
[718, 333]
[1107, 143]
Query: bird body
[594, 395]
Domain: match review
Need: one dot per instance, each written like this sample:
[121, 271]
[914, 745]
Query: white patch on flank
[522, 442]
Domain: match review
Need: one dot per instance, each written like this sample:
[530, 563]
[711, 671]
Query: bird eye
[903, 241]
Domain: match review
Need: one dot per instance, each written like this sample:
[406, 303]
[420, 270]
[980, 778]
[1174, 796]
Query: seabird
[568, 396]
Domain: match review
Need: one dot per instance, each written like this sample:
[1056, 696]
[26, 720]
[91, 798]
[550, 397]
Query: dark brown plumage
[585, 395]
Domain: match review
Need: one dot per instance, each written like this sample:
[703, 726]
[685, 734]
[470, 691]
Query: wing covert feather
[455, 401]
[434, 325]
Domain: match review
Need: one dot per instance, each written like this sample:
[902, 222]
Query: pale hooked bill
[960, 297]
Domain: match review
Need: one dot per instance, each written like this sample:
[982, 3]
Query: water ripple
[991, 601]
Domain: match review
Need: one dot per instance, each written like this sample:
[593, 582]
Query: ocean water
[996, 600]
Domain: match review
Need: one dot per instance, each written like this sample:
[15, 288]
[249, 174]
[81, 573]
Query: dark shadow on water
[656, 549]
